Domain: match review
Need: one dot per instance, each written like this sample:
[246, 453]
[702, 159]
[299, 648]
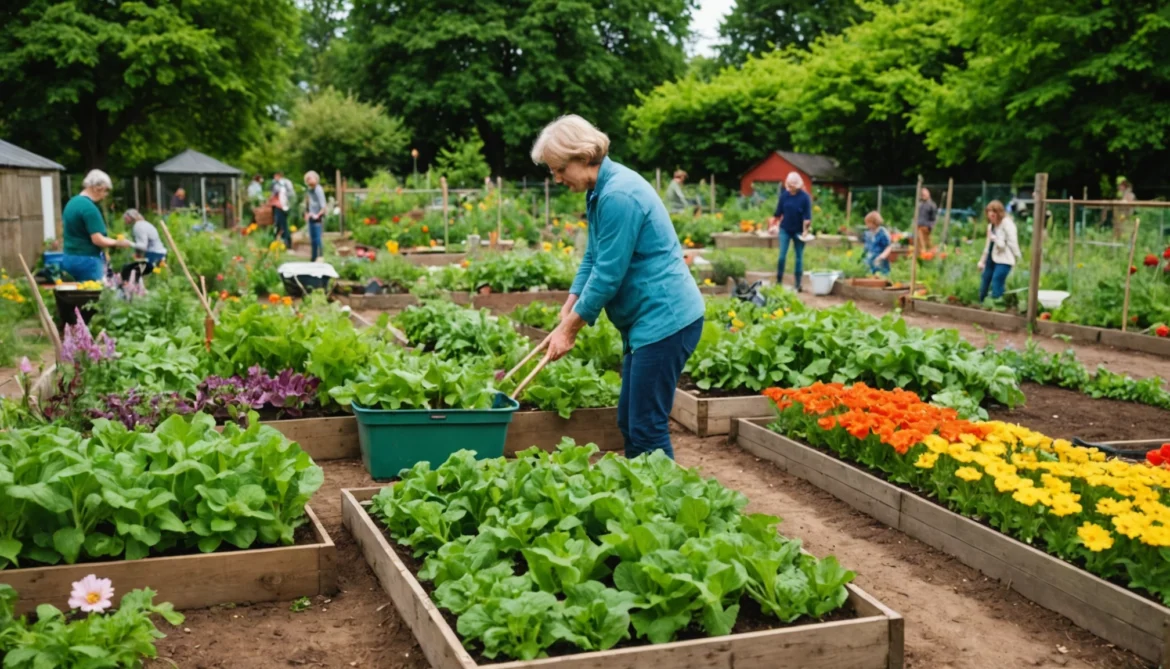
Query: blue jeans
[649, 377]
[85, 268]
[280, 222]
[315, 238]
[785, 238]
[994, 277]
[877, 266]
[155, 258]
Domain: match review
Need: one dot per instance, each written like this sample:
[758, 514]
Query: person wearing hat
[146, 240]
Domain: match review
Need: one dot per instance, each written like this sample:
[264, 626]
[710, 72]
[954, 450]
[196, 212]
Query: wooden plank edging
[991, 319]
[546, 428]
[198, 580]
[871, 641]
[1103, 608]
[327, 438]
[709, 416]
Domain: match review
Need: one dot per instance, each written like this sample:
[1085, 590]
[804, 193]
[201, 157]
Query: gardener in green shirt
[85, 230]
[633, 268]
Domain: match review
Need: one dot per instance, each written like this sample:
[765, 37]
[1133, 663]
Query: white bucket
[1051, 299]
[822, 282]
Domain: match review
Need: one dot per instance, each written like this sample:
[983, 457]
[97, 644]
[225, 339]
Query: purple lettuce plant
[133, 408]
[289, 392]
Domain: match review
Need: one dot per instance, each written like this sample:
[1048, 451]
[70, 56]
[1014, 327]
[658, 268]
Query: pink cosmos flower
[92, 594]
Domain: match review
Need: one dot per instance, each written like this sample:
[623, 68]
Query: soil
[685, 383]
[955, 617]
[1065, 414]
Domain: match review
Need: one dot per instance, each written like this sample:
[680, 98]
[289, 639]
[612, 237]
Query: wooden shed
[30, 204]
[816, 170]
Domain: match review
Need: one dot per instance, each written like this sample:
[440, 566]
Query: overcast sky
[706, 25]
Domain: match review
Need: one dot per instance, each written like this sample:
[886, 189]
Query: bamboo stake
[136, 192]
[914, 233]
[446, 221]
[1129, 275]
[42, 310]
[499, 208]
[1072, 222]
[848, 207]
[1039, 210]
[547, 217]
[532, 375]
[947, 215]
[186, 272]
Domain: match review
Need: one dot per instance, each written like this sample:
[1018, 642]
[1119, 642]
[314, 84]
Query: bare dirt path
[955, 618]
[1137, 365]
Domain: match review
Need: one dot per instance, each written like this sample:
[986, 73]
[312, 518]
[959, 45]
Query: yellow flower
[816, 208]
[1095, 537]
[1026, 496]
[1065, 504]
[547, 246]
[1156, 535]
[560, 243]
[719, 216]
[120, 236]
[778, 313]
[708, 282]
[157, 270]
[926, 460]
[731, 314]
[292, 228]
[392, 246]
[849, 254]
[286, 300]
[568, 250]
[467, 206]
[276, 246]
[1131, 524]
[58, 282]
[968, 473]
[737, 323]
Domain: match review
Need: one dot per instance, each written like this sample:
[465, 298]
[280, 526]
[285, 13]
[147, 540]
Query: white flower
[92, 594]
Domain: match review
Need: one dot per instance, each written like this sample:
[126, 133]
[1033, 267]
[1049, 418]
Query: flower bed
[1106, 517]
[471, 555]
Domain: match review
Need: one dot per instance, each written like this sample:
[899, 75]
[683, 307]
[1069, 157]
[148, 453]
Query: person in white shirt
[1000, 253]
[256, 189]
[146, 239]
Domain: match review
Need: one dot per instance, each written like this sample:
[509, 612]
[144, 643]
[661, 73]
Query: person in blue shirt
[877, 244]
[633, 268]
[794, 218]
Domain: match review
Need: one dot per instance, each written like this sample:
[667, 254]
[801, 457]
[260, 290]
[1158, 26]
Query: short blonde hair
[795, 180]
[569, 138]
[874, 217]
[97, 179]
[312, 173]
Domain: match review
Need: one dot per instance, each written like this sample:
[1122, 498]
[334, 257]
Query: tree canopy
[329, 131]
[757, 27]
[506, 68]
[135, 81]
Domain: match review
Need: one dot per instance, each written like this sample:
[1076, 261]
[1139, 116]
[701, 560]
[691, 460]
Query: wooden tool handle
[536, 349]
[520, 388]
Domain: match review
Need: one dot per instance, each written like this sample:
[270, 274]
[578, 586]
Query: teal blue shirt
[633, 265]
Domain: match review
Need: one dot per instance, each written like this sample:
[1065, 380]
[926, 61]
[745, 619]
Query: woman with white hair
[314, 213]
[84, 229]
[145, 236]
[633, 268]
[794, 218]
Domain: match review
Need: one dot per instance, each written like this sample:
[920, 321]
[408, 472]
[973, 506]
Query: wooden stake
[1039, 211]
[499, 207]
[42, 311]
[947, 215]
[914, 233]
[158, 192]
[658, 179]
[203, 199]
[547, 211]
[446, 220]
[1129, 275]
[136, 206]
[714, 208]
[186, 272]
[879, 202]
[1071, 239]
[848, 207]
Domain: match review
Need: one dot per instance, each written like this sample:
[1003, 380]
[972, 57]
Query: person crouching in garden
[314, 212]
[145, 236]
[877, 244]
[793, 217]
[84, 230]
[634, 269]
[1000, 252]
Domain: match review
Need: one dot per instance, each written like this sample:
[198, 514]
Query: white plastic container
[822, 281]
[1051, 299]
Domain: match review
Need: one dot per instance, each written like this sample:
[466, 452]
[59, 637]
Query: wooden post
[203, 198]
[499, 208]
[1129, 275]
[848, 206]
[699, 197]
[446, 221]
[714, 208]
[947, 216]
[186, 272]
[69, 185]
[1039, 209]
[914, 234]
[344, 206]
[658, 179]
[983, 195]
[547, 217]
[1072, 221]
[149, 201]
[879, 202]
[42, 311]
[159, 192]
[136, 192]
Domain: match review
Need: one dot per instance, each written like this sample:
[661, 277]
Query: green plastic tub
[395, 440]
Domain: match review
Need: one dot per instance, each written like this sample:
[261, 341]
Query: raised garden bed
[198, 580]
[728, 240]
[1081, 333]
[707, 416]
[872, 640]
[545, 429]
[1107, 610]
[887, 296]
[331, 438]
[991, 319]
[504, 303]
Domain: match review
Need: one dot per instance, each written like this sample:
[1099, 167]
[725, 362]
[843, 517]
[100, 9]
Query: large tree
[1076, 88]
[110, 83]
[756, 27]
[504, 68]
[329, 131]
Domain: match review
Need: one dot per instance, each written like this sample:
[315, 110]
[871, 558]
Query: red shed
[819, 170]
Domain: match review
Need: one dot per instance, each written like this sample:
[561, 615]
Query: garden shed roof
[12, 155]
[193, 162]
[820, 168]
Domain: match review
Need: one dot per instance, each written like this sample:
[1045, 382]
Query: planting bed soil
[1065, 414]
[955, 617]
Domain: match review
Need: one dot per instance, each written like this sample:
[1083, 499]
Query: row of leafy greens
[550, 549]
